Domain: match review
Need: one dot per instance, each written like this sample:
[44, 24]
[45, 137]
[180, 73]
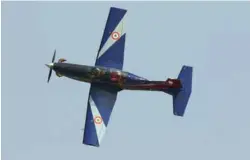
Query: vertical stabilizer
[180, 99]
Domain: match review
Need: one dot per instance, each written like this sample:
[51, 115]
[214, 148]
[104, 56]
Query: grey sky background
[44, 121]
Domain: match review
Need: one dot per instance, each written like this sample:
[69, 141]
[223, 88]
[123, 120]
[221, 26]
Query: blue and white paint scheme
[110, 54]
[107, 78]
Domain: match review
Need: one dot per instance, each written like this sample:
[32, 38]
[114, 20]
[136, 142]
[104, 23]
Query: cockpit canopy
[61, 60]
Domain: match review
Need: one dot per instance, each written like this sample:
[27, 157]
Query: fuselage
[110, 76]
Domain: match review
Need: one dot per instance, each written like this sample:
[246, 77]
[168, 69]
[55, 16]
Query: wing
[111, 50]
[100, 105]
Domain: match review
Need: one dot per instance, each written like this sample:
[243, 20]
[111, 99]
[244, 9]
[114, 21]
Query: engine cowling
[58, 74]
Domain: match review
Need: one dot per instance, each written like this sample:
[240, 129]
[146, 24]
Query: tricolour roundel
[98, 119]
[115, 35]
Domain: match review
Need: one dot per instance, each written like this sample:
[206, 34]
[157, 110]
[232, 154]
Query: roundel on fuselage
[115, 76]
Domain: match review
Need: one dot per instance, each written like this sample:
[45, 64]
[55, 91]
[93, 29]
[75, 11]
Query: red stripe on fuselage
[152, 86]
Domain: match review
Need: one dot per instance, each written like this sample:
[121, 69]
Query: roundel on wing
[115, 36]
[98, 119]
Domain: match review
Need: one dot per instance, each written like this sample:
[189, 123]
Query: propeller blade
[53, 59]
[50, 71]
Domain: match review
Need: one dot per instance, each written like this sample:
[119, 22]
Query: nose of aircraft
[50, 65]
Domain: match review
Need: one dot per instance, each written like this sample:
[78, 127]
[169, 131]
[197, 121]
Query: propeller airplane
[107, 79]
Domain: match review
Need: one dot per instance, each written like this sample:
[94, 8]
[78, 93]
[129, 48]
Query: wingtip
[117, 8]
[91, 145]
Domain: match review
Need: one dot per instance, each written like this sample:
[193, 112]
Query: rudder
[180, 99]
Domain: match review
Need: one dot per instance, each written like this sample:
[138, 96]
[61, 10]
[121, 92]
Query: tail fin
[180, 99]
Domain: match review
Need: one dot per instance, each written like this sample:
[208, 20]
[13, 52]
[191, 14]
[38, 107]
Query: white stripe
[100, 128]
[120, 29]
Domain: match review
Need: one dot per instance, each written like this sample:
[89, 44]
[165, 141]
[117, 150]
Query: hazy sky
[44, 121]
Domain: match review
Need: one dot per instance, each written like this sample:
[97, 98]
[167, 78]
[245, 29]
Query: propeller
[51, 66]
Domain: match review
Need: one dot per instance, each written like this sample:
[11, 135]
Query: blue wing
[111, 50]
[100, 105]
